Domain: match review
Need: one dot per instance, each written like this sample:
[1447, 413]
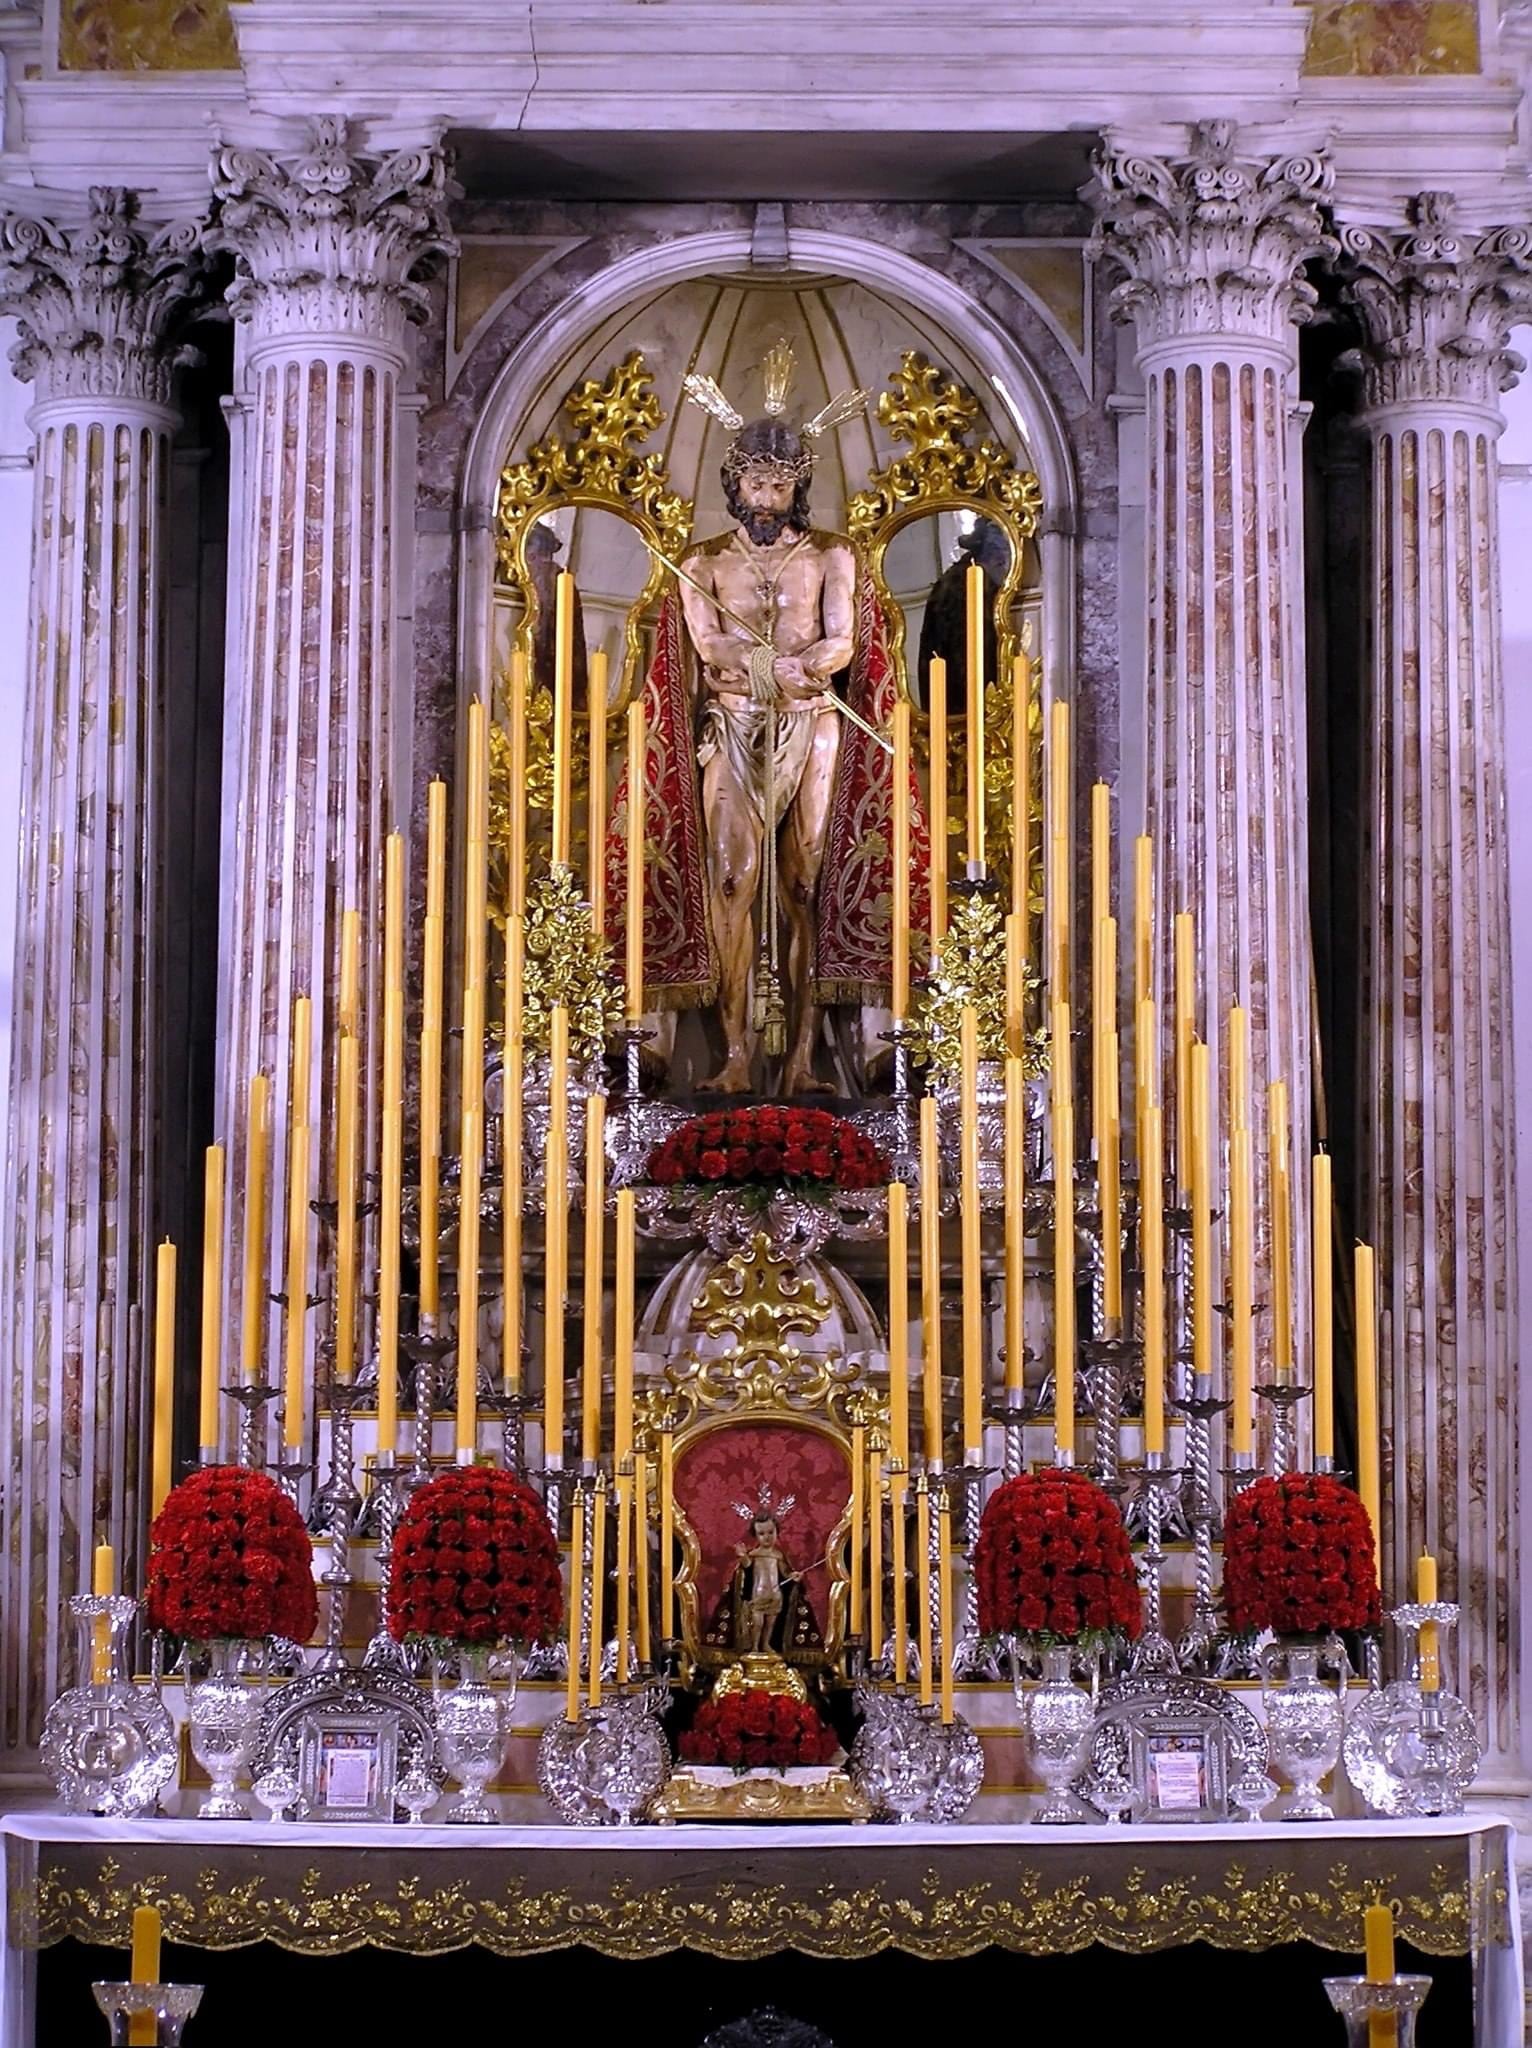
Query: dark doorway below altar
[1205, 1997]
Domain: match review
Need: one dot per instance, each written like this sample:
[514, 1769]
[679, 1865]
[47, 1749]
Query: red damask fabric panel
[732, 1464]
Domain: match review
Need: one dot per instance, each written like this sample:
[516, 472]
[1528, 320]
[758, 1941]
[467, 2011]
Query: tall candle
[1324, 1311]
[143, 2027]
[1060, 867]
[1241, 1296]
[1143, 919]
[595, 806]
[1202, 1216]
[1281, 1197]
[667, 1534]
[931, 1280]
[975, 649]
[1185, 1028]
[164, 1374]
[597, 1588]
[1110, 1160]
[1103, 1018]
[1063, 1241]
[253, 1302]
[936, 698]
[1239, 1068]
[898, 1485]
[468, 1234]
[511, 1157]
[431, 1040]
[1100, 854]
[391, 1151]
[349, 1015]
[949, 1614]
[595, 1288]
[103, 1584]
[1015, 1227]
[1430, 1631]
[293, 1423]
[1378, 1924]
[516, 789]
[1368, 1476]
[624, 1490]
[348, 1168]
[212, 1298]
[972, 1221]
[576, 1603]
[900, 935]
[563, 711]
[476, 892]
[1015, 984]
[923, 1583]
[858, 1511]
[875, 1635]
[899, 1323]
[556, 1237]
[624, 1318]
[1152, 1198]
[641, 1555]
[638, 801]
[1021, 782]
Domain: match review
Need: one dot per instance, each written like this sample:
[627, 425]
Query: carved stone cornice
[1212, 242]
[330, 240]
[98, 305]
[1437, 306]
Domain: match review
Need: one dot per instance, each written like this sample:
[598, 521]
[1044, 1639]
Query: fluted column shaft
[1213, 244]
[325, 243]
[96, 305]
[1436, 308]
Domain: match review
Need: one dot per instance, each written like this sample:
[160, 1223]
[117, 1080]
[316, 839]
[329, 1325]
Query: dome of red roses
[1298, 1557]
[229, 1556]
[476, 1562]
[1053, 1558]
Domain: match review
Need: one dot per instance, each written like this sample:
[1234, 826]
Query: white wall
[15, 560]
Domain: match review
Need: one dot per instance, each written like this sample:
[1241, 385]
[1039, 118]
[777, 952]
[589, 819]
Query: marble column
[97, 304]
[327, 243]
[1212, 242]
[1436, 304]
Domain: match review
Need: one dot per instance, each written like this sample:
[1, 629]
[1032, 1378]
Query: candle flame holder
[390, 1483]
[1357, 2001]
[252, 1402]
[169, 2005]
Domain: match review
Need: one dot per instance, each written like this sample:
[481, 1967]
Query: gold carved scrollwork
[969, 973]
[937, 1904]
[946, 470]
[568, 962]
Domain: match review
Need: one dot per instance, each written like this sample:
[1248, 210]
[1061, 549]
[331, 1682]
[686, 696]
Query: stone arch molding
[1016, 383]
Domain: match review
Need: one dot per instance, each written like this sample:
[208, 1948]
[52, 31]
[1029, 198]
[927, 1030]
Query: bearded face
[763, 500]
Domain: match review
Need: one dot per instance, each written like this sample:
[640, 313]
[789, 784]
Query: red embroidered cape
[853, 961]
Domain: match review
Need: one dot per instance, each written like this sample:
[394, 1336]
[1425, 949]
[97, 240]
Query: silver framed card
[347, 1739]
[348, 1764]
[1167, 1750]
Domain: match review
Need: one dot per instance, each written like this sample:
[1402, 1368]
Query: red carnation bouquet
[229, 1556]
[1298, 1558]
[757, 1730]
[768, 1146]
[475, 1562]
[1053, 1560]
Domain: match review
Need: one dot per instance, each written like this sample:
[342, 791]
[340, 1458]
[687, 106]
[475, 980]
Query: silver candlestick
[1158, 1487]
[426, 1351]
[390, 1482]
[1283, 1398]
[252, 1401]
[971, 1655]
[1195, 1650]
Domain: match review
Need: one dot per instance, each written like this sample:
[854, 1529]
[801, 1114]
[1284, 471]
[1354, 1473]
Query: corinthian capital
[1212, 242]
[1437, 305]
[331, 239]
[97, 306]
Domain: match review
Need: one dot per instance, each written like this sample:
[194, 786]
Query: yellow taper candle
[391, 1151]
[1430, 1631]
[1109, 1156]
[516, 788]
[875, 1635]
[563, 711]
[1021, 782]
[595, 1286]
[1241, 1292]
[1280, 1195]
[143, 2027]
[972, 1223]
[433, 1025]
[556, 1237]
[1324, 1309]
[900, 934]
[466, 1434]
[253, 1302]
[1184, 1024]
[1060, 867]
[624, 1491]
[1100, 854]
[931, 1281]
[1143, 919]
[348, 1173]
[898, 1490]
[164, 1373]
[298, 1148]
[349, 1014]
[1368, 1475]
[974, 592]
[936, 699]
[624, 1312]
[212, 1299]
[1015, 983]
[1063, 1241]
[595, 809]
[641, 1555]
[1202, 1216]
[1378, 1936]
[948, 1614]
[597, 1588]
[899, 1323]
[667, 1556]
[855, 1540]
[1015, 1226]
[633, 927]
[103, 1584]
[511, 1169]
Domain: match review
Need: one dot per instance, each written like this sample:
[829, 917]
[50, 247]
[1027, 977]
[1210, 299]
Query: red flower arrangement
[229, 1556]
[475, 1562]
[768, 1146]
[1298, 1557]
[1053, 1559]
[757, 1730]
